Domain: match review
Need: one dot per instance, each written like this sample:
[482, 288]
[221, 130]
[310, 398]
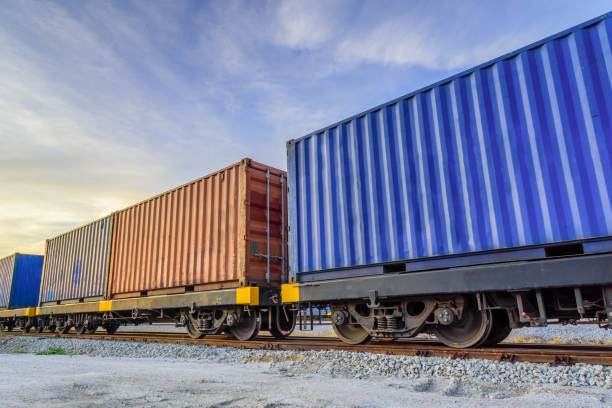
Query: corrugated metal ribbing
[186, 236]
[77, 262]
[515, 152]
[26, 281]
[202, 233]
[7, 266]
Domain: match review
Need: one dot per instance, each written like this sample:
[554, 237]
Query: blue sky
[105, 103]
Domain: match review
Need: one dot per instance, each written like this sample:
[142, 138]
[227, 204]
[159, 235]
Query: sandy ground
[81, 381]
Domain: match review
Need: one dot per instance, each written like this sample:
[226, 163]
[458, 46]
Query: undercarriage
[243, 322]
[467, 320]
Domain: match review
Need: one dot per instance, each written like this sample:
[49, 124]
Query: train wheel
[248, 326]
[351, 333]
[500, 330]
[80, 328]
[193, 332]
[111, 327]
[64, 329]
[52, 328]
[282, 326]
[473, 329]
[39, 328]
[89, 327]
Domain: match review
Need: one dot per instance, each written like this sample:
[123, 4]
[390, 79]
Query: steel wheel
[193, 332]
[500, 330]
[64, 329]
[248, 326]
[471, 330]
[111, 327]
[282, 327]
[52, 328]
[80, 328]
[89, 327]
[351, 333]
[39, 328]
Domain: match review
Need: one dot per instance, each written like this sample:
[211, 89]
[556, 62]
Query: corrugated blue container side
[514, 152]
[7, 266]
[77, 263]
[26, 281]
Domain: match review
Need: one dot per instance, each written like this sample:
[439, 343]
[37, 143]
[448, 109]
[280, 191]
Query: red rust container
[210, 233]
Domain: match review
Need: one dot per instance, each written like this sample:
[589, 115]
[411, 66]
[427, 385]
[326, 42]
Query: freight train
[208, 255]
[476, 205]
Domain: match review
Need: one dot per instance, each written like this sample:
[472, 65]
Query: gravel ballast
[583, 333]
[333, 363]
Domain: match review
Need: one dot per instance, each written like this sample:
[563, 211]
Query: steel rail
[556, 354]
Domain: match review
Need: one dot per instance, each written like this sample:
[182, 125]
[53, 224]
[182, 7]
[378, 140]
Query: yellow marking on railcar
[105, 306]
[290, 293]
[30, 312]
[247, 296]
[37, 311]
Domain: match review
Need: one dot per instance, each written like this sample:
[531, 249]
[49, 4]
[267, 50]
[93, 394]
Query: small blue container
[20, 281]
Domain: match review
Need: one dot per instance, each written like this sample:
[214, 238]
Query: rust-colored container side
[256, 224]
[195, 237]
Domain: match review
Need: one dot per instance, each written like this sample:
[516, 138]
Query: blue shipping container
[515, 152]
[77, 263]
[20, 280]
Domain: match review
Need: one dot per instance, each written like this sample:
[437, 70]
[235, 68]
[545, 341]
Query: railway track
[556, 354]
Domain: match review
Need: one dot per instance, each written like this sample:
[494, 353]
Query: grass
[52, 351]
[18, 352]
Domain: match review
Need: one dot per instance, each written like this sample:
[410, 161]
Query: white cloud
[80, 134]
[448, 39]
[309, 24]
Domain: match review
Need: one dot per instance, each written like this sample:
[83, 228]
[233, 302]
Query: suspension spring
[205, 324]
[381, 323]
[394, 322]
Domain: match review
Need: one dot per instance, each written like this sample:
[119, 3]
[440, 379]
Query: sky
[106, 103]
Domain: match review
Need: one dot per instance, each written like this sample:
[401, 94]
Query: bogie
[466, 320]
